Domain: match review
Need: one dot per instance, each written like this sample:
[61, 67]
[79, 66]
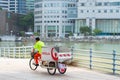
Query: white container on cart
[46, 54]
[61, 54]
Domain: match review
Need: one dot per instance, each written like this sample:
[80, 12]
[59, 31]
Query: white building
[53, 17]
[101, 14]
[9, 5]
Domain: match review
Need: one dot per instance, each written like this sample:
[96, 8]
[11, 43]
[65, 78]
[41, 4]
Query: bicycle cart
[53, 58]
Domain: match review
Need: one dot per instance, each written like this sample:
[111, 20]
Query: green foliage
[36, 34]
[0, 9]
[85, 30]
[70, 34]
[97, 31]
[22, 33]
[26, 21]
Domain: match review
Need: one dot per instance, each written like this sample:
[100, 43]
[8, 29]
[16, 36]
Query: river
[97, 46]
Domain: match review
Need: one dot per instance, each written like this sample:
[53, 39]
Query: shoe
[36, 64]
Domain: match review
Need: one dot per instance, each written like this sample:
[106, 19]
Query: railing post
[114, 61]
[4, 52]
[19, 51]
[14, 52]
[25, 52]
[90, 59]
[72, 51]
[0, 53]
[8, 52]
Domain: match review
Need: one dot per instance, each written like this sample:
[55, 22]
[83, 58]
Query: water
[97, 46]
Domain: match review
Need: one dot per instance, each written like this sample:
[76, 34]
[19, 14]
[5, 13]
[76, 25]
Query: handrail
[15, 52]
[105, 61]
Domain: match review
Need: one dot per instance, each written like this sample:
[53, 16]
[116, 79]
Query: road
[18, 69]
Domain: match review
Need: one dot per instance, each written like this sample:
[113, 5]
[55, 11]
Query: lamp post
[11, 32]
[116, 27]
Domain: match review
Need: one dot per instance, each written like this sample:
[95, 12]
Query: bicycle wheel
[51, 71]
[32, 64]
[62, 70]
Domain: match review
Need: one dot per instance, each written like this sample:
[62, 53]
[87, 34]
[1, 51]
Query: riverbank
[69, 39]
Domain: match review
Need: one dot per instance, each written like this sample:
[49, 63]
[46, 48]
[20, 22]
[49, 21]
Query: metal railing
[108, 62]
[16, 52]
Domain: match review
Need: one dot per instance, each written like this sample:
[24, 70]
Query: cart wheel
[62, 71]
[51, 71]
[32, 64]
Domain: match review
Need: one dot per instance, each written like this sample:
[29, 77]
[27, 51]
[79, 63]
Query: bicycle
[51, 61]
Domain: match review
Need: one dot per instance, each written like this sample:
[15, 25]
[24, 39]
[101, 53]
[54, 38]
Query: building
[18, 6]
[8, 22]
[60, 17]
[100, 14]
[55, 17]
[22, 6]
[10, 5]
[30, 5]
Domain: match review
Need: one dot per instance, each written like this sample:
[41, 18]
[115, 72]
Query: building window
[117, 11]
[87, 11]
[111, 11]
[99, 4]
[99, 11]
[81, 11]
[105, 11]
[106, 3]
[82, 4]
[115, 4]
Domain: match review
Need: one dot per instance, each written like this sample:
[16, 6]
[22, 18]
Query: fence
[15, 52]
[108, 62]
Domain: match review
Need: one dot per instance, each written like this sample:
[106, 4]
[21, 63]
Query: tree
[26, 21]
[97, 31]
[70, 34]
[85, 30]
[22, 33]
[36, 34]
[0, 9]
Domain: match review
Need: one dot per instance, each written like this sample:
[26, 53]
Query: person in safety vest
[38, 50]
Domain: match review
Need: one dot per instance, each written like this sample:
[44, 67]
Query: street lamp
[11, 32]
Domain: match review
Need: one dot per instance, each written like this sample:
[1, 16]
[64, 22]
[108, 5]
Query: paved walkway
[18, 69]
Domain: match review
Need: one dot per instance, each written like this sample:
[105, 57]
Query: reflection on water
[99, 46]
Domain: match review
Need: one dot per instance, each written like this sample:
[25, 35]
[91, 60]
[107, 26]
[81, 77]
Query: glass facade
[78, 24]
[115, 3]
[108, 26]
[18, 6]
[30, 5]
[22, 6]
